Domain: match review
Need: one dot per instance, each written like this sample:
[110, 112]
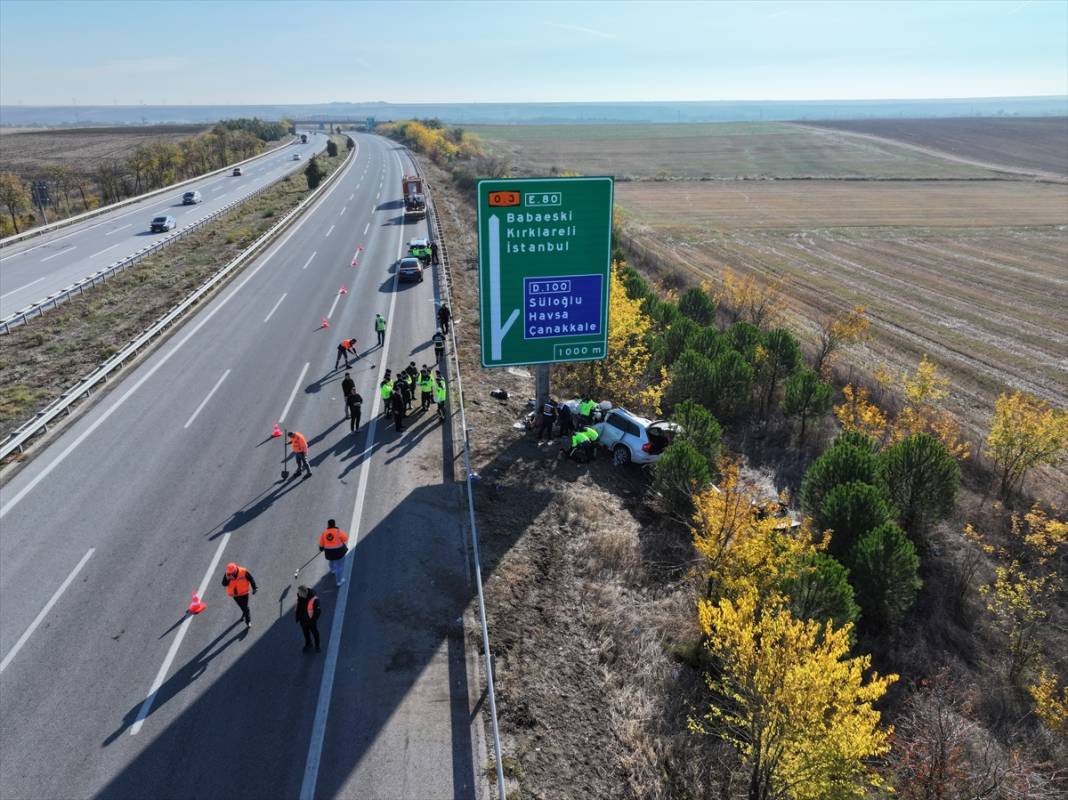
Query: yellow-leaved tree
[841, 329]
[859, 413]
[791, 700]
[924, 390]
[1027, 432]
[754, 301]
[623, 375]
[1051, 706]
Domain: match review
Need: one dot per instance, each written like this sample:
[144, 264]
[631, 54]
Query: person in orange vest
[299, 445]
[238, 581]
[308, 612]
[333, 543]
[343, 349]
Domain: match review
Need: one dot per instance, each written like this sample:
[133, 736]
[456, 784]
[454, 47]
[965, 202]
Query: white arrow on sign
[497, 331]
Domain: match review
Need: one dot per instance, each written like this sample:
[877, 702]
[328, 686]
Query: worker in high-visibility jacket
[579, 450]
[299, 445]
[586, 410]
[345, 346]
[591, 441]
[441, 393]
[380, 329]
[308, 612]
[385, 390]
[333, 543]
[426, 388]
[238, 581]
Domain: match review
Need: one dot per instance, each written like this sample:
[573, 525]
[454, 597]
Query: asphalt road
[108, 690]
[41, 266]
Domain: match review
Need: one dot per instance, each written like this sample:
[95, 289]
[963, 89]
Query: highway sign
[544, 251]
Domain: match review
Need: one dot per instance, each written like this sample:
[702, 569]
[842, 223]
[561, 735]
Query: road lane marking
[94, 255]
[44, 611]
[220, 197]
[280, 299]
[333, 644]
[61, 252]
[116, 230]
[293, 394]
[365, 227]
[343, 209]
[378, 195]
[333, 305]
[27, 286]
[352, 195]
[306, 263]
[146, 706]
[208, 315]
[204, 402]
[330, 231]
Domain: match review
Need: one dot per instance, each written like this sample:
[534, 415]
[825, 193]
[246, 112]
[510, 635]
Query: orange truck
[414, 199]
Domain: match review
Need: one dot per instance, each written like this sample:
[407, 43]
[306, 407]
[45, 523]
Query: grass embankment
[46, 356]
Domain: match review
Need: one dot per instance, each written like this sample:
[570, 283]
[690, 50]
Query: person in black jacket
[397, 406]
[348, 386]
[355, 406]
[308, 613]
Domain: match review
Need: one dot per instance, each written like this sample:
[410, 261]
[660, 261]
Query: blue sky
[56, 53]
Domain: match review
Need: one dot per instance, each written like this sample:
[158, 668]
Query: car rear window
[160, 220]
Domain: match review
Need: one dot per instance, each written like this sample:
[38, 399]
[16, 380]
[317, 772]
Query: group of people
[398, 392]
[239, 584]
[577, 428]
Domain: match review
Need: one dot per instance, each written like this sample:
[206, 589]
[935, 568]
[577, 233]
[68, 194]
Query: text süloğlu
[533, 232]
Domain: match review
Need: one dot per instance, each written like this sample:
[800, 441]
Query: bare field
[25, 153]
[712, 151]
[1037, 144]
[975, 275]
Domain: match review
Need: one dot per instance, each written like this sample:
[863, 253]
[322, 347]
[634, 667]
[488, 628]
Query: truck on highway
[304, 138]
[414, 199]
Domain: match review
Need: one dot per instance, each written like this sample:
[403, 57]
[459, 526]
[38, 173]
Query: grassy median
[49, 354]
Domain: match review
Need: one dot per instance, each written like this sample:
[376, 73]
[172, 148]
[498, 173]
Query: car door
[611, 430]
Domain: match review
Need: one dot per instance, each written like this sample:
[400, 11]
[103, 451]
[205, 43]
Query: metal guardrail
[16, 441]
[100, 276]
[63, 223]
[437, 234]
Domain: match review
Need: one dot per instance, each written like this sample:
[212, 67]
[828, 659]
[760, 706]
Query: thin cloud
[580, 29]
[1021, 6]
[776, 15]
[127, 67]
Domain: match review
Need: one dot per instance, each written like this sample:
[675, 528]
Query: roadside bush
[698, 306]
[709, 342]
[331, 148]
[675, 340]
[857, 439]
[884, 570]
[839, 464]
[700, 429]
[349, 144]
[680, 473]
[921, 477]
[663, 313]
[636, 286]
[782, 355]
[732, 382]
[819, 589]
[690, 378]
[850, 510]
[745, 338]
[806, 397]
[313, 173]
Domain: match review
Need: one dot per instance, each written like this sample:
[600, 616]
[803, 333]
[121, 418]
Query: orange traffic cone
[324, 323]
[276, 432]
[197, 605]
[343, 290]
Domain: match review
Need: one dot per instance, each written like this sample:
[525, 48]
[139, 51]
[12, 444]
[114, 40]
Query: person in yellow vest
[308, 613]
[441, 393]
[579, 451]
[238, 581]
[333, 543]
[299, 446]
[586, 410]
[426, 388]
[591, 441]
[385, 390]
[380, 329]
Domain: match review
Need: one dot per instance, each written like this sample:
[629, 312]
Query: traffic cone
[343, 290]
[276, 432]
[324, 323]
[197, 605]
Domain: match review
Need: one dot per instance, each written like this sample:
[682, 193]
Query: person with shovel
[334, 544]
[299, 445]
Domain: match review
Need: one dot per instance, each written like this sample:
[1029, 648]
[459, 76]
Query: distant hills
[532, 113]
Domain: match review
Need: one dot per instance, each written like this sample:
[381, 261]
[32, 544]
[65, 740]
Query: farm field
[711, 151]
[973, 274]
[1038, 144]
[26, 153]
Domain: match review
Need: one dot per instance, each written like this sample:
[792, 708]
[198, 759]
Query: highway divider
[100, 276]
[437, 234]
[62, 223]
[62, 406]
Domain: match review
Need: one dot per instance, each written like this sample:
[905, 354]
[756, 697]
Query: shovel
[285, 472]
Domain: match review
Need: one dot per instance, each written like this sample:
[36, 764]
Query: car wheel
[620, 455]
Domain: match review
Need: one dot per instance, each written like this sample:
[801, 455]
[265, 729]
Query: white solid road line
[61, 252]
[333, 643]
[146, 706]
[47, 470]
[116, 230]
[44, 611]
[280, 299]
[306, 263]
[329, 231]
[343, 209]
[333, 305]
[26, 286]
[94, 255]
[293, 394]
[204, 402]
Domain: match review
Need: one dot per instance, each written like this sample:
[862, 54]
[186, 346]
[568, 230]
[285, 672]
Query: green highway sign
[544, 251]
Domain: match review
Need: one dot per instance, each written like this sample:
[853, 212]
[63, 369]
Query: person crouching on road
[299, 446]
[238, 581]
[308, 613]
[578, 450]
[591, 442]
[334, 544]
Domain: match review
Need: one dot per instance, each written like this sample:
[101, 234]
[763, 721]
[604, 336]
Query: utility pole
[541, 386]
[39, 192]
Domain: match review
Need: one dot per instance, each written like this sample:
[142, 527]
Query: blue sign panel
[569, 305]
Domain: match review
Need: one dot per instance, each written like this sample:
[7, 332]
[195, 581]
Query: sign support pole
[541, 385]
